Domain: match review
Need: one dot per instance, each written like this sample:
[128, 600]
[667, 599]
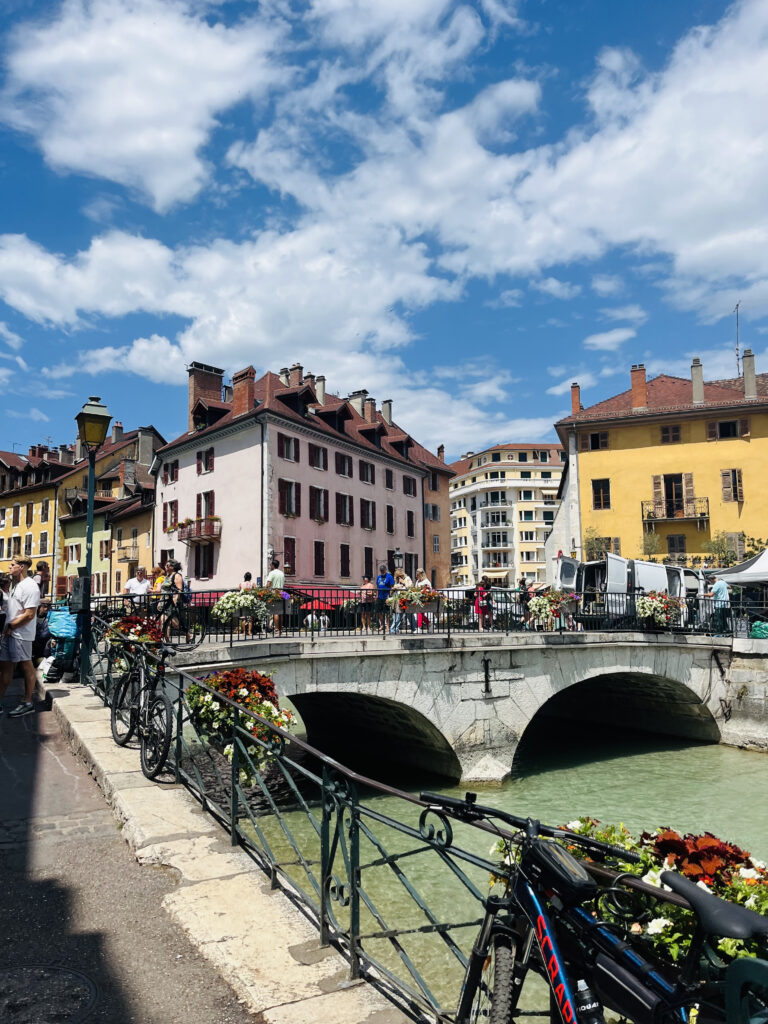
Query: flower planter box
[430, 608]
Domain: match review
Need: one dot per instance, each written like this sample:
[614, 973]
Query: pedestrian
[19, 633]
[384, 583]
[157, 579]
[722, 602]
[138, 587]
[42, 632]
[42, 577]
[422, 583]
[173, 588]
[368, 602]
[247, 583]
[5, 586]
[484, 604]
[276, 581]
[402, 582]
[524, 596]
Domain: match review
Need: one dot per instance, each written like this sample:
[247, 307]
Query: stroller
[64, 627]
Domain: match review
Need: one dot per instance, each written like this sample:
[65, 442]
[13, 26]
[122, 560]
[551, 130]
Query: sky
[463, 206]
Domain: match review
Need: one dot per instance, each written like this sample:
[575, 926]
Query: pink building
[276, 467]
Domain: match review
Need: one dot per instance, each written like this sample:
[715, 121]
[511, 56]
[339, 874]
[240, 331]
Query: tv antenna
[738, 361]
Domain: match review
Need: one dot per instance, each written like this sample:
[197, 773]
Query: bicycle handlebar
[468, 810]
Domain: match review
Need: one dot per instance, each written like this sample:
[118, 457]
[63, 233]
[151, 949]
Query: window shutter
[351, 510]
[312, 503]
[583, 442]
[210, 458]
[712, 430]
[739, 486]
[726, 482]
[658, 493]
[688, 492]
[199, 506]
[326, 505]
[281, 446]
[311, 449]
[360, 470]
[296, 450]
[325, 457]
[199, 459]
[338, 463]
[211, 503]
[373, 474]
[338, 508]
[297, 491]
[743, 428]
[604, 439]
[373, 515]
[617, 545]
[281, 492]
[165, 515]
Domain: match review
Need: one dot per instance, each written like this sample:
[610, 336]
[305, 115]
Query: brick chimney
[748, 368]
[320, 389]
[441, 452]
[575, 399]
[243, 387]
[639, 387]
[66, 455]
[386, 411]
[356, 400]
[309, 378]
[117, 431]
[296, 375]
[204, 382]
[370, 409]
[697, 381]
[284, 376]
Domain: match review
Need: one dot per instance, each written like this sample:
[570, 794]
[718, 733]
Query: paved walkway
[151, 918]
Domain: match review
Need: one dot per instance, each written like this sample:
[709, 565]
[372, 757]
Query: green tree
[593, 545]
[754, 546]
[651, 543]
[722, 547]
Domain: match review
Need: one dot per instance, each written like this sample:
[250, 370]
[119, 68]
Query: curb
[258, 941]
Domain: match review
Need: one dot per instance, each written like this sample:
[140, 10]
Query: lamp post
[397, 558]
[92, 425]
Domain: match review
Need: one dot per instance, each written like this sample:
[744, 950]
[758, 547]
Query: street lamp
[397, 558]
[92, 425]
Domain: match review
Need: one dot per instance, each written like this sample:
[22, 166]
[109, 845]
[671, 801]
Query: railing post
[235, 779]
[354, 882]
[179, 726]
[325, 853]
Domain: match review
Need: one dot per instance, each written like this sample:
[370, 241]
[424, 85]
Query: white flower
[573, 826]
[748, 873]
[228, 750]
[653, 877]
[759, 864]
[216, 706]
[751, 902]
[703, 886]
[243, 691]
[658, 925]
[208, 698]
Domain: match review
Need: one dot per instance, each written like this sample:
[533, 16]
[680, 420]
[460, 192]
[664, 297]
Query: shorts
[12, 649]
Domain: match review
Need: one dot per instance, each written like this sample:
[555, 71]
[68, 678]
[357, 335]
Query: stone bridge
[459, 707]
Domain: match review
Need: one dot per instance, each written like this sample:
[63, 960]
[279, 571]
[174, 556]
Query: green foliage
[754, 546]
[593, 545]
[651, 543]
[722, 548]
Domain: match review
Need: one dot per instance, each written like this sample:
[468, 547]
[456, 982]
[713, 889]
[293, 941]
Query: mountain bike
[547, 923]
[140, 705]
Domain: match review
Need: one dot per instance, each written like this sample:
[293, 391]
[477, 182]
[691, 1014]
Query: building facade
[667, 466]
[279, 468]
[503, 502]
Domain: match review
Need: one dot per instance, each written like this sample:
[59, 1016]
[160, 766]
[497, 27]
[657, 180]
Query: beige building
[503, 504]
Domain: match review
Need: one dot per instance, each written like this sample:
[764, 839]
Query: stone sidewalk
[258, 941]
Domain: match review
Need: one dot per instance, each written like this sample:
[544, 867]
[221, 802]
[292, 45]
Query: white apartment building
[503, 502]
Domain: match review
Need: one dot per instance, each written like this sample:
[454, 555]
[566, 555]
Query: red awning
[325, 597]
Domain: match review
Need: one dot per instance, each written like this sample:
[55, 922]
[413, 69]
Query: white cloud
[609, 341]
[129, 89]
[10, 337]
[30, 414]
[584, 379]
[634, 313]
[557, 289]
[607, 284]
[508, 298]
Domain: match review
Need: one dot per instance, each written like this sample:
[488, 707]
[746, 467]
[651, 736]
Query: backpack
[186, 593]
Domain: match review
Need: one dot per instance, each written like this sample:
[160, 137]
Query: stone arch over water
[376, 736]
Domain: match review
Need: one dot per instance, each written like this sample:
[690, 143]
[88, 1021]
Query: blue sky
[460, 206]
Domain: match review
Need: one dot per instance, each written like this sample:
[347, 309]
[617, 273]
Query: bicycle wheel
[155, 735]
[489, 993]
[123, 713]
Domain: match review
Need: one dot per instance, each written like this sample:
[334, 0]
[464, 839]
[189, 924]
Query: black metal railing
[675, 508]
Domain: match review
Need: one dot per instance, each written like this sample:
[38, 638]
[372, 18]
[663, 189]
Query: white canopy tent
[753, 571]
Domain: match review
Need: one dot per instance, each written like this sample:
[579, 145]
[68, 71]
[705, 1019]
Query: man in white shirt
[276, 581]
[19, 633]
[138, 585]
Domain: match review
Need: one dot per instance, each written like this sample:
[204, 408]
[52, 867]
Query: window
[171, 470]
[389, 479]
[203, 561]
[318, 456]
[409, 486]
[410, 564]
[548, 517]
[289, 556]
[166, 555]
[170, 515]
[601, 494]
[16, 519]
[593, 442]
[390, 513]
[45, 510]
[671, 434]
[30, 513]
[432, 512]
[119, 533]
[343, 464]
[525, 474]
[2, 547]
[287, 448]
[319, 558]
[204, 462]
[2, 518]
[495, 456]
[434, 480]
[72, 552]
[526, 495]
[318, 504]
[16, 547]
[205, 506]
[435, 544]
[721, 430]
[410, 523]
[367, 514]
[367, 472]
[676, 544]
[288, 498]
[546, 474]
[104, 546]
[119, 574]
[543, 456]
[730, 480]
[528, 535]
[368, 562]
[345, 510]
[522, 456]
[344, 560]
[28, 544]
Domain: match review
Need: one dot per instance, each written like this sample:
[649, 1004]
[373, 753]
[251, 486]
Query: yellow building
[661, 469]
[503, 504]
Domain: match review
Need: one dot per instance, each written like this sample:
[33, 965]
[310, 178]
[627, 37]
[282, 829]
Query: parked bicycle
[548, 923]
[140, 705]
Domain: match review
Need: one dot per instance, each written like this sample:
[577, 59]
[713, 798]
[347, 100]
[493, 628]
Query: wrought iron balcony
[128, 553]
[696, 509]
[208, 528]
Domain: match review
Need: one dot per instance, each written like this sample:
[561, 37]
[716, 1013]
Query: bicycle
[140, 705]
[547, 923]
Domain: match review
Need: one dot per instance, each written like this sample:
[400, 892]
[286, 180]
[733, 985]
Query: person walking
[384, 583]
[276, 581]
[19, 633]
[42, 577]
[484, 604]
[422, 583]
[524, 596]
[138, 587]
[173, 588]
[402, 582]
[367, 603]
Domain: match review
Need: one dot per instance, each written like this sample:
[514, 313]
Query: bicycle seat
[718, 917]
